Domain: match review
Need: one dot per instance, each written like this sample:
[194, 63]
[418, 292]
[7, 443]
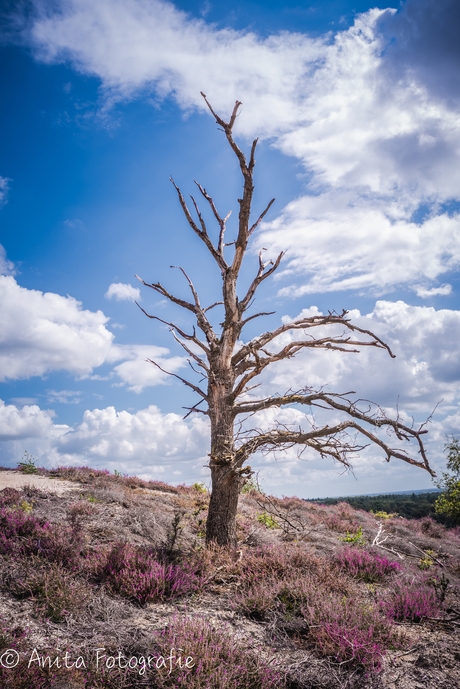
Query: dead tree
[230, 369]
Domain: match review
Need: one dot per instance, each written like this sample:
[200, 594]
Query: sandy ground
[14, 479]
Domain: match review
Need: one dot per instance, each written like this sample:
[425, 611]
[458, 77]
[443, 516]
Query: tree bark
[223, 506]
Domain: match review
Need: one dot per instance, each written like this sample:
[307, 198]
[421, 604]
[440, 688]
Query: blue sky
[356, 108]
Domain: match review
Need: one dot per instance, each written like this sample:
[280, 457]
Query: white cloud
[64, 396]
[335, 241]
[44, 332]
[28, 422]
[138, 373]
[122, 292]
[375, 143]
[425, 293]
[132, 45]
[330, 101]
[426, 369]
[147, 443]
[6, 266]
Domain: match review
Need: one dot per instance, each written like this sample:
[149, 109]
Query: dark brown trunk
[226, 483]
[223, 506]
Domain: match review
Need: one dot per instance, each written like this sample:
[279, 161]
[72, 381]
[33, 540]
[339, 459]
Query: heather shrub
[102, 478]
[13, 645]
[256, 601]
[219, 662]
[346, 629]
[345, 511]
[411, 601]
[9, 496]
[79, 510]
[55, 592]
[364, 565]
[351, 632]
[136, 574]
[275, 562]
[428, 527]
[454, 565]
[24, 534]
[336, 522]
[286, 562]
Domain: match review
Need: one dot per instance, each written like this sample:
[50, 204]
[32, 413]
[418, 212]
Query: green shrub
[200, 487]
[27, 466]
[354, 538]
[268, 520]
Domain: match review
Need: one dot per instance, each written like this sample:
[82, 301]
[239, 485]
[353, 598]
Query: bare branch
[260, 277]
[194, 356]
[257, 315]
[326, 441]
[192, 288]
[217, 303]
[306, 324]
[378, 419]
[261, 217]
[161, 290]
[202, 234]
[195, 409]
[186, 382]
[173, 326]
[259, 363]
[221, 221]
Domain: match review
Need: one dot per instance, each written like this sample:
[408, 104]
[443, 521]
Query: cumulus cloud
[44, 332]
[328, 103]
[122, 292]
[152, 444]
[138, 373]
[147, 442]
[425, 371]
[336, 242]
[28, 422]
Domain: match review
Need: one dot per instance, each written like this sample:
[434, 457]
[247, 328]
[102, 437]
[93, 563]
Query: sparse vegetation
[293, 607]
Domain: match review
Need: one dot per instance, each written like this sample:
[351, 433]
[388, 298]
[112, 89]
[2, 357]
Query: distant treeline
[411, 506]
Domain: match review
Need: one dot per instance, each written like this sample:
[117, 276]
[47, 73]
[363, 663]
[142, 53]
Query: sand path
[15, 479]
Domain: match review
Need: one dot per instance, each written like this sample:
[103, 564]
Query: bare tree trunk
[226, 482]
[221, 523]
